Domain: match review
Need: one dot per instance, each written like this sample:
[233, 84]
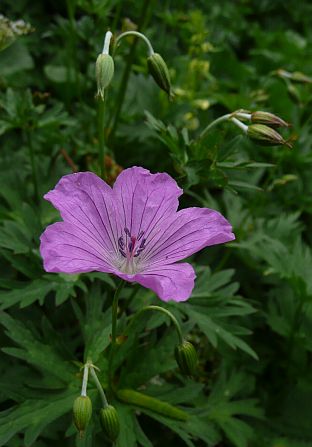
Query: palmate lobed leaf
[213, 307]
[34, 350]
[38, 289]
[34, 415]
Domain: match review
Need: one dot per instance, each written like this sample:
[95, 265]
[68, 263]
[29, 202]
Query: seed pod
[268, 118]
[104, 71]
[159, 70]
[110, 422]
[82, 411]
[266, 136]
[186, 357]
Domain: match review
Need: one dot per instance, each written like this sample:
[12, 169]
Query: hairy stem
[99, 386]
[163, 310]
[213, 124]
[101, 130]
[137, 34]
[114, 335]
[85, 380]
[125, 77]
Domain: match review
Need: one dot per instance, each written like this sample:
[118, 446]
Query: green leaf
[33, 416]
[34, 351]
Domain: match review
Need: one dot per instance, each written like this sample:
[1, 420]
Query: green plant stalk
[101, 130]
[137, 34]
[99, 386]
[32, 163]
[114, 335]
[130, 299]
[72, 59]
[163, 310]
[214, 123]
[151, 403]
[125, 77]
[85, 380]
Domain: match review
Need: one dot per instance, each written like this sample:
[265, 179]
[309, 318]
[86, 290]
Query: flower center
[130, 247]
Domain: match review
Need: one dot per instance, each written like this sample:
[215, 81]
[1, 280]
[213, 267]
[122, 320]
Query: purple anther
[140, 235]
[121, 243]
[127, 232]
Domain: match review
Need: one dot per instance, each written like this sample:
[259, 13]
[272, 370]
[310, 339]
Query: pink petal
[145, 199]
[189, 231]
[170, 282]
[86, 202]
[65, 248]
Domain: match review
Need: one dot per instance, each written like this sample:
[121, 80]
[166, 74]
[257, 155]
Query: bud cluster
[104, 69]
[262, 127]
[82, 408]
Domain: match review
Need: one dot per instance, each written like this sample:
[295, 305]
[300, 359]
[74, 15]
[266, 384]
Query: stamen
[121, 243]
[130, 250]
[140, 235]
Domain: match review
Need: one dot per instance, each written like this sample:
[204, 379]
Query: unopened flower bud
[266, 136]
[104, 71]
[82, 412]
[268, 118]
[159, 70]
[110, 422]
[186, 357]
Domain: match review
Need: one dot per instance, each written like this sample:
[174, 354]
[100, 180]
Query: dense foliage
[250, 314]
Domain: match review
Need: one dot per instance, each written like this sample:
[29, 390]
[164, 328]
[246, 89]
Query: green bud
[186, 357]
[104, 70]
[268, 118]
[159, 70]
[266, 135]
[110, 422]
[82, 412]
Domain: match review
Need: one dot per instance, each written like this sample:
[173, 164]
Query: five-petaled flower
[132, 230]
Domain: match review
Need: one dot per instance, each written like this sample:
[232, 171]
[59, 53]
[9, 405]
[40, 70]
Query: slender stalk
[101, 130]
[137, 34]
[213, 124]
[163, 310]
[72, 59]
[32, 163]
[114, 326]
[130, 299]
[99, 386]
[125, 77]
[85, 380]
[239, 124]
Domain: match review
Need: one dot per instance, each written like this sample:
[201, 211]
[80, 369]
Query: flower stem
[166, 312]
[137, 34]
[101, 129]
[99, 386]
[213, 124]
[114, 325]
[125, 77]
[85, 380]
[32, 163]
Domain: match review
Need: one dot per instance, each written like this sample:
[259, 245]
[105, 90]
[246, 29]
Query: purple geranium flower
[132, 230]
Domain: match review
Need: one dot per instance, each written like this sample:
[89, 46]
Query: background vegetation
[250, 314]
